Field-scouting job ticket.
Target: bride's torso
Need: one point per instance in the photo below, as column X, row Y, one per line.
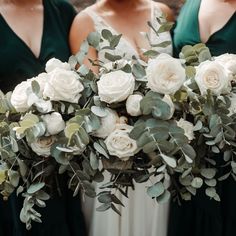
column 138, row 43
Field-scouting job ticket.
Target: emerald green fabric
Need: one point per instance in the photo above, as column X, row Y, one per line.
column 63, row 215
column 187, row 31
column 202, row 216
column 17, row 62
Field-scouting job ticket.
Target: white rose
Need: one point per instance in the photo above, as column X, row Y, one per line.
column 63, row 85
column 167, row 99
column 228, row 61
column 54, row 63
column 108, row 124
column 19, row 97
column 43, row 106
column 165, row 74
column 115, row 86
column 232, row 108
column 187, row 127
column 42, row 145
column 133, row 104
column 210, row 75
column 54, row 123
column 120, row 144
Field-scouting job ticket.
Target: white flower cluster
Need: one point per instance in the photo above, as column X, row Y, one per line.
column 58, row 84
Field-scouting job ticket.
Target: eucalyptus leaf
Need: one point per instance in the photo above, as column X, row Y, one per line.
column 164, row 198
column 197, row 182
column 208, row 173
column 156, row 190
column 93, row 161
column 211, row 192
column 35, row 187
column 211, row 182
column 100, row 149
column 35, row 87
column 99, row 111
column 170, row 161
column 106, row 34
column 94, row 39
column 104, row 207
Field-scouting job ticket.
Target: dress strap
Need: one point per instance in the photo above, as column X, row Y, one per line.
column 155, row 11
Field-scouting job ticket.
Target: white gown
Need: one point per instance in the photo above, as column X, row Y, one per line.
column 141, row 216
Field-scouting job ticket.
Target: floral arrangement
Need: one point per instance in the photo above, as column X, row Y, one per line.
column 166, row 119
column 169, row 120
column 43, row 133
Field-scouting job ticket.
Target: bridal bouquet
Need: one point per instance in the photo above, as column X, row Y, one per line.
column 161, row 120
column 169, row 120
column 44, row 127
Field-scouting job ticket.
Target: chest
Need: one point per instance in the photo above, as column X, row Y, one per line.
column 130, row 26
column 28, row 26
column 208, row 22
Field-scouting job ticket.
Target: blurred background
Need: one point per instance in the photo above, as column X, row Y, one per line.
column 174, row 4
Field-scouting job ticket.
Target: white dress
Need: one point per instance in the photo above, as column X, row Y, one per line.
column 141, row 216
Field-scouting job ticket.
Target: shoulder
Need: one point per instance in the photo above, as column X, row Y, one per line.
column 83, row 22
column 166, row 10
column 81, row 27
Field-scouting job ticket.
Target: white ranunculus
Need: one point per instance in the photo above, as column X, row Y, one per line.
column 63, row 85
column 133, row 104
column 211, row 75
column 232, row 108
column 165, row 74
column 167, row 99
column 19, row 97
column 119, row 143
column 108, row 123
column 54, row 63
column 187, row 127
column 228, row 61
column 115, row 86
column 42, row 145
column 54, row 123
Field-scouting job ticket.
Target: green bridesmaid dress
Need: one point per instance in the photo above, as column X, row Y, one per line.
column 63, row 215
column 202, row 216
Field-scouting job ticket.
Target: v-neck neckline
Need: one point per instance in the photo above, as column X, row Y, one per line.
column 22, row 41
column 214, row 33
column 127, row 41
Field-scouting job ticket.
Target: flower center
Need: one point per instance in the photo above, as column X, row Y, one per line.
column 212, row 80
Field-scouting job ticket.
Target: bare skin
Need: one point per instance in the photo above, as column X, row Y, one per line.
column 25, row 18
column 213, row 15
column 128, row 17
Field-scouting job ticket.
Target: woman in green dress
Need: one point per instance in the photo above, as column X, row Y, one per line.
column 212, row 22
column 32, row 32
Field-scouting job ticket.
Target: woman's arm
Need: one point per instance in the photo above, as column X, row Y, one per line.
column 80, row 29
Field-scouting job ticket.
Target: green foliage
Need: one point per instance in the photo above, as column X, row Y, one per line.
column 164, row 150
column 193, row 55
